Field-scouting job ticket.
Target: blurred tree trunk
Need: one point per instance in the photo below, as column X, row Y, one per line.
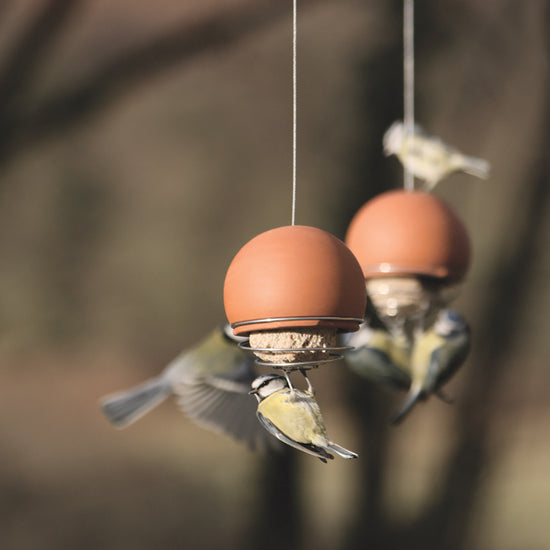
column 381, row 103
column 444, row 523
column 278, row 521
column 23, row 126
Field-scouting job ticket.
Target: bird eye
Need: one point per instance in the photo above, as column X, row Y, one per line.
column 265, row 383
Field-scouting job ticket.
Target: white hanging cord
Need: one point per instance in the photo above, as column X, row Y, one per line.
column 294, row 104
column 408, row 80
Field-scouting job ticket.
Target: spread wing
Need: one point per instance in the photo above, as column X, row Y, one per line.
column 371, row 357
column 211, row 382
column 375, row 365
column 222, row 403
column 451, row 357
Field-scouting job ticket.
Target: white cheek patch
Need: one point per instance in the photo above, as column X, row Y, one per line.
column 274, row 385
column 360, row 338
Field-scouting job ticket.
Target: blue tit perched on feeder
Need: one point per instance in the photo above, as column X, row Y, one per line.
column 435, row 357
column 429, row 158
column 379, row 356
column 294, row 417
column 211, row 382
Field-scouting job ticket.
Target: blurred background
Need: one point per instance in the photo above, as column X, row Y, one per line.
column 141, row 145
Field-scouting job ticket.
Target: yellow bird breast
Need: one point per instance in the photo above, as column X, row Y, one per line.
column 297, row 416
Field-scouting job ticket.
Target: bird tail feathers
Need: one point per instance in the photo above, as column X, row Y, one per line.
column 476, row 167
column 412, row 398
column 124, row 408
column 340, row 451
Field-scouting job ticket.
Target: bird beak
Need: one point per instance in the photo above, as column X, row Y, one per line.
column 252, row 392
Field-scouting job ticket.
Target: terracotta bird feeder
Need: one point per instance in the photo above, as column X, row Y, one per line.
column 290, row 290
column 413, row 249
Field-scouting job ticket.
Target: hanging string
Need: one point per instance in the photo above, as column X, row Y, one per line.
column 294, row 105
column 408, row 80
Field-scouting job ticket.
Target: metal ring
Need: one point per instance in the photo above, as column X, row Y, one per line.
column 278, row 319
column 302, row 364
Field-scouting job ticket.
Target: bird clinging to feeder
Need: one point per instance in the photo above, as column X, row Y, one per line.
column 379, row 356
column 437, row 354
column 291, row 290
column 414, row 252
column 294, row 417
column 210, row 380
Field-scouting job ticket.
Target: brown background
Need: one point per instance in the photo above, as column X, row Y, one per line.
column 141, row 144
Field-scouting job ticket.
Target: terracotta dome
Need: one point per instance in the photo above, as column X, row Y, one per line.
column 409, row 233
column 294, row 271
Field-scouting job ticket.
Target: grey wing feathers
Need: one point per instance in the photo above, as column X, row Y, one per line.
column 224, row 406
column 376, row 366
column 211, row 382
column 124, row 408
column 453, row 358
column 414, row 395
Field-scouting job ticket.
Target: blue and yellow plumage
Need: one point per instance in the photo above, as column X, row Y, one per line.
column 294, row 417
column 436, row 355
column 379, row 356
column 428, row 157
column 421, row 365
column 210, row 380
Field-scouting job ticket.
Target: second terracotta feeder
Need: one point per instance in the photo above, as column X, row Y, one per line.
column 290, row 290
column 413, row 250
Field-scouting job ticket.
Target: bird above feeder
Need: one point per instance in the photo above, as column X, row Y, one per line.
column 428, row 157
column 415, row 252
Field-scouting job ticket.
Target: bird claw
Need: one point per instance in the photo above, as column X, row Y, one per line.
column 444, row 397
column 310, row 387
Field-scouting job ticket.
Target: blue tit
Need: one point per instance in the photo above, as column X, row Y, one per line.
column 211, row 381
column 429, row 158
column 437, row 354
column 379, row 356
column 294, row 417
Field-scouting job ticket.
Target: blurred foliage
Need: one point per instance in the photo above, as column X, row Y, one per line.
column 140, row 147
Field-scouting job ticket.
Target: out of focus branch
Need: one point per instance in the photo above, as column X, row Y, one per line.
column 445, row 523
column 4, row 5
column 32, row 47
column 124, row 74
